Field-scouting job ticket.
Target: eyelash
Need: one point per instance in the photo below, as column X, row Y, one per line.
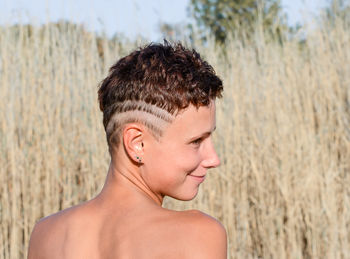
column 197, row 141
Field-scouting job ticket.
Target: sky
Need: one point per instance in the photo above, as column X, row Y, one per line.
column 129, row 17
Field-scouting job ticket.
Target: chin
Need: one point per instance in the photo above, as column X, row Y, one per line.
column 186, row 196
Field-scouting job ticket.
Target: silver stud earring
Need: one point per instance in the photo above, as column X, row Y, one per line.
column 138, row 158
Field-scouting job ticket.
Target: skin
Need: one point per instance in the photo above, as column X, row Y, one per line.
column 126, row 220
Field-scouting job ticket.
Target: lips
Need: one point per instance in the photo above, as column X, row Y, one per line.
column 199, row 178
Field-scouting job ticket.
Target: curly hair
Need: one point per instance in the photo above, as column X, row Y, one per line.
column 151, row 85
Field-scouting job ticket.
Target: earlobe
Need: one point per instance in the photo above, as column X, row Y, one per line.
column 138, row 158
column 133, row 135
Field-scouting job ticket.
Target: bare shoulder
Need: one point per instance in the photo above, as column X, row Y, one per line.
column 49, row 233
column 204, row 236
column 44, row 231
column 209, row 235
column 202, row 219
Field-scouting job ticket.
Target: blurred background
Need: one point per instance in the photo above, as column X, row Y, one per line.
column 283, row 187
column 136, row 18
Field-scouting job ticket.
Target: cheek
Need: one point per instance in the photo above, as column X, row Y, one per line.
column 188, row 160
column 173, row 160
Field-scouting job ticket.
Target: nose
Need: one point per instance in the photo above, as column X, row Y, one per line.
column 211, row 159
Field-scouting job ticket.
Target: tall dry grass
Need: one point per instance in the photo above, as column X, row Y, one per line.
column 283, row 189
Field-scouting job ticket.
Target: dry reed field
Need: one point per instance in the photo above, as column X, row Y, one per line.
column 283, row 187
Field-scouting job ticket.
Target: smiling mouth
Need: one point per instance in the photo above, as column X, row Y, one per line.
column 199, row 178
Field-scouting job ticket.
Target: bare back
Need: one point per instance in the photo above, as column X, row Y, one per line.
column 90, row 231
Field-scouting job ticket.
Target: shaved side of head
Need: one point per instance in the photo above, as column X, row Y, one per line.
column 154, row 118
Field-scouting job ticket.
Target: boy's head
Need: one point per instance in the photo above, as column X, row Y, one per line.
column 153, row 84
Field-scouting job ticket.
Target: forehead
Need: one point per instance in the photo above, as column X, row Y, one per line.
column 193, row 121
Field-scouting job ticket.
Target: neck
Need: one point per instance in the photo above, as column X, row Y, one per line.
column 128, row 180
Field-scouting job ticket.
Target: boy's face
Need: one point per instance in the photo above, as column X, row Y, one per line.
column 177, row 163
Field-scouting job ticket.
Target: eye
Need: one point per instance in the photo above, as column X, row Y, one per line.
column 197, row 142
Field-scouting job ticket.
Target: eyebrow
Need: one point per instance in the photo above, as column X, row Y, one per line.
column 204, row 134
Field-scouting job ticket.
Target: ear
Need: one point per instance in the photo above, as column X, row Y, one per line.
column 133, row 137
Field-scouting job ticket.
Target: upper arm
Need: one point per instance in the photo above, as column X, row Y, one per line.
column 208, row 238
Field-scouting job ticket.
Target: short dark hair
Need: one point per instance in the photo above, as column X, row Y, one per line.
column 170, row 77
